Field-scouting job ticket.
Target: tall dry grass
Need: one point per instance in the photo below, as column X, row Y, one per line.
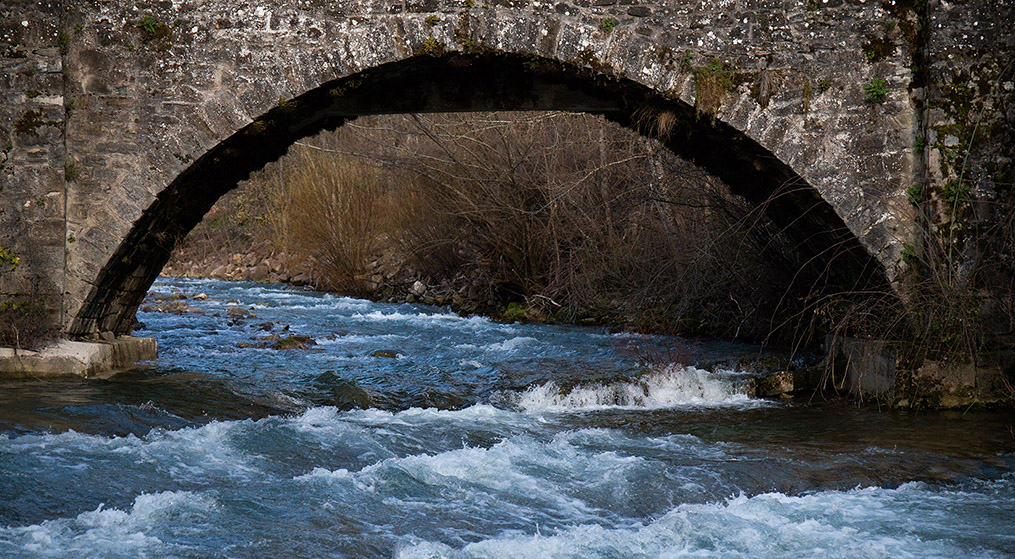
column 333, row 211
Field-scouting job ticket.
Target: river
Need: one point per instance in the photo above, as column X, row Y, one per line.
column 410, row 432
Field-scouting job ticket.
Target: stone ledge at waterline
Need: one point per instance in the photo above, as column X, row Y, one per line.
column 870, row 369
column 86, row 359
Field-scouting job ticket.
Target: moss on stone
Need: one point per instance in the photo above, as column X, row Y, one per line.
column 876, row 49
column 711, row 83
column 30, row 122
column 155, row 33
column 664, row 55
column 430, row 47
column 589, row 59
column 345, row 87
column 807, row 95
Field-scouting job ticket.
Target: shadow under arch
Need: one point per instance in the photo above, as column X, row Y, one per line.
column 455, row 82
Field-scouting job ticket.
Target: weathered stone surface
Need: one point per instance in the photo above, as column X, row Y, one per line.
column 775, row 384
column 862, row 367
column 82, row 359
column 130, row 119
column 869, row 369
column 32, row 155
column 937, row 384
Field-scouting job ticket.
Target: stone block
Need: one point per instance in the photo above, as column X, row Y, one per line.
column 99, row 359
column 868, row 365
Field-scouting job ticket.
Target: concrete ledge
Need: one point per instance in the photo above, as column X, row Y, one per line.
column 82, row 359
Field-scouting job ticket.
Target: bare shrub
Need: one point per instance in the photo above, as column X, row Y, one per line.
column 27, row 318
column 566, row 214
column 333, row 217
column 580, row 218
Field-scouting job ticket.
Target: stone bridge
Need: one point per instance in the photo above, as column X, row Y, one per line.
column 123, row 122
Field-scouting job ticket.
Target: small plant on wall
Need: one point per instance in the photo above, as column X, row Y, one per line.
column 711, row 83
column 156, row 33
column 8, row 261
column 16, row 320
column 876, row 90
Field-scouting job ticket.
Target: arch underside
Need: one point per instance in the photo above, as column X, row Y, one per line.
column 832, row 257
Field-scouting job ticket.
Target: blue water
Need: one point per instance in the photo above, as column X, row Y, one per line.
column 468, row 438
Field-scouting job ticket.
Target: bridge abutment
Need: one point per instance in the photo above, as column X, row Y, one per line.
column 33, row 165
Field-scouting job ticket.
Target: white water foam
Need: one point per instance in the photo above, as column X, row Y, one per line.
column 381, row 316
column 414, row 317
column 511, row 344
column 478, row 415
column 520, row 477
column 104, row 533
column 350, row 339
column 674, row 385
column 188, row 454
column 913, row 521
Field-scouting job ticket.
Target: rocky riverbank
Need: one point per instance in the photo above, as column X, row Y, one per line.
column 387, row 279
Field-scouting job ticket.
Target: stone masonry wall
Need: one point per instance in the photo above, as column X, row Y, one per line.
column 32, row 171
column 154, row 85
column 154, row 94
column 969, row 123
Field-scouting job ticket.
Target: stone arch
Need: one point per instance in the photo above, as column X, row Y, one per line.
column 434, row 81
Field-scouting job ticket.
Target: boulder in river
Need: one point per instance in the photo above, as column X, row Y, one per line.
column 775, row 384
column 173, row 307
column 294, row 342
column 239, row 313
column 259, row 273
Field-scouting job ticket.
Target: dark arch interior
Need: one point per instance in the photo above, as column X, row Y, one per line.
column 832, row 257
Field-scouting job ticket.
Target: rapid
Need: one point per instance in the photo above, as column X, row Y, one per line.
column 408, row 431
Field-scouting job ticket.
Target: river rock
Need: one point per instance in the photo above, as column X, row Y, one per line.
column 177, row 307
column 240, row 313
column 294, row 342
column 345, row 394
column 775, row 384
column 418, row 288
column 259, row 273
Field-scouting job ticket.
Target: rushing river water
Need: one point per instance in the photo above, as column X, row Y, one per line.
column 478, row 439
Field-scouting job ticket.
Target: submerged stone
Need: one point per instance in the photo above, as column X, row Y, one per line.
column 294, row 342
